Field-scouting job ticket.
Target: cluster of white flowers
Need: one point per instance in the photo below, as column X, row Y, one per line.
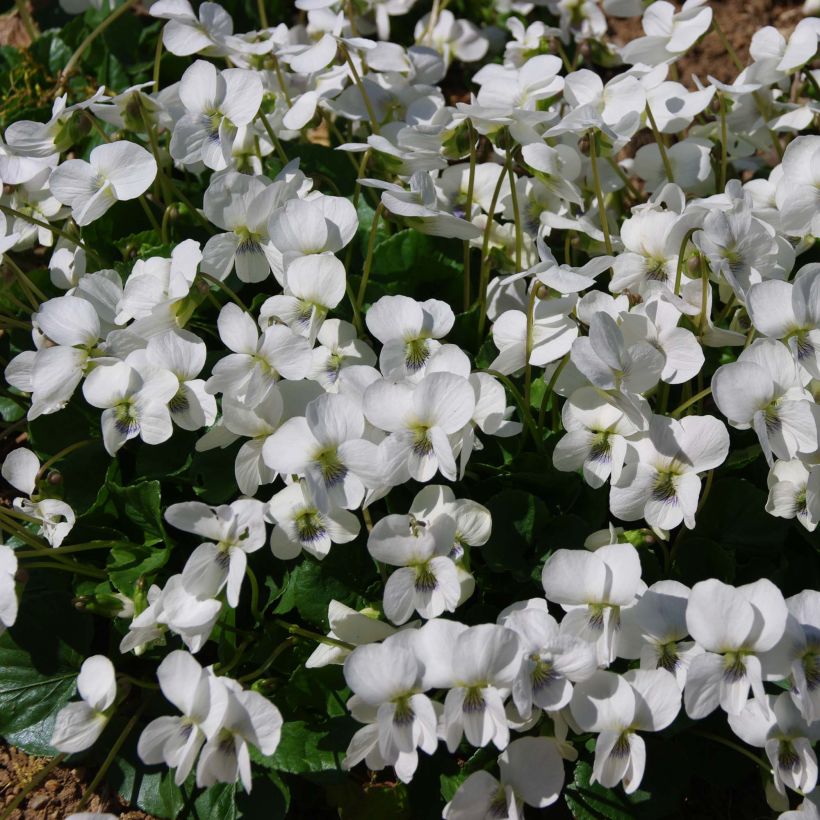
column 664, row 258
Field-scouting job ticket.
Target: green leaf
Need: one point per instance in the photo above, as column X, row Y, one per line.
column 40, row 657
column 593, row 802
column 140, row 504
column 302, row 749
column 153, row 789
column 127, row 562
column 218, row 801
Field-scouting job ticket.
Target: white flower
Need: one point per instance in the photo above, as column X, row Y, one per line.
column 777, row 726
column 133, row 405
column 387, row 695
column 733, row 625
column 763, row 389
column 232, row 531
column 217, row 103
column 531, row 772
column 79, row 724
column 428, row 579
column 798, row 195
column 201, row 698
column 115, row 171
column 592, row 588
column 21, row 468
column 301, row 524
column 484, row 663
column 618, row 707
column 669, row 32
column 185, row 33
column 552, row 660
column 794, row 492
column 249, row 718
column 420, row 420
column 8, row 592
column 660, row 481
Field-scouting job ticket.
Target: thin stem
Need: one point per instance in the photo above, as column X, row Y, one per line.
column 77, row 55
column 704, row 296
column 548, row 392
column 729, row 744
column 519, row 234
column 484, row 274
column 191, row 207
column 468, row 207
column 679, row 272
column 76, row 569
column 293, row 629
column 40, row 224
column 374, row 123
column 624, row 178
column 115, row 748
column 281, row 79
column 231, row 294
column 62, row 454
column 667, row 165
column 689, row 402
column 260, row 670
column 526, row 415
column 31, row 291
column 157, row 62
column 724, row 140
column 254, row 594
column 142, row 684
column 710, row 477
column 154, row 143
column 27, row 20
column 368, row 262
column 263, row 15
column 280, row 151
column 31, row 785
column 69, row 549
column 596, row 178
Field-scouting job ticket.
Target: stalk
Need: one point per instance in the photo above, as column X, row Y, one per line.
column 596, row 178
column 667, row 165
column 469, row 211
column 484, row 274
column 368, row 262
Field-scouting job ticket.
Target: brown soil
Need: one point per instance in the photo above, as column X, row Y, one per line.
column 58, row 795
column 739, row 19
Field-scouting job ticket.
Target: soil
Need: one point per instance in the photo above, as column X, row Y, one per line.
column 60, row 792
column 58, row 795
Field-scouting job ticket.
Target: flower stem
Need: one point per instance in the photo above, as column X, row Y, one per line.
column 32, row 292
column 75, row 58
column 542, row 410
column 679, row 272
column 260, row 670
column 519, row 235
column 74, row 568
column 724, row 140
column 280, row 151
column 528, row 342
column 313, row 636
column 220, row 284
column 596, row 178
column 484, row 274
column 526, row 415
column 667, row 165
column 263, row 15
column 368, row 262
column 468, row 207
column 689, row 402
column 729, row 744
column 371, row 114
column 115, row 748
column 254, row 594
column 26, row 19
column 62, row 454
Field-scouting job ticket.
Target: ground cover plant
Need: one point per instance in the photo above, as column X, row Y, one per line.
column 410, row 409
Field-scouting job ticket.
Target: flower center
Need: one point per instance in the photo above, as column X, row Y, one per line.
column 425, row 578
column 126, row 418
column 474, row 700
column 416, row 353
column 422, row 446
column 332, row 470
column 309, row 526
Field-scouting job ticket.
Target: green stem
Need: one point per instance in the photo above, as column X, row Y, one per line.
column 519, row 233
column 254, row 594
column 729, row 744
column 368, row 262
column 596, row 178
column 293, row 629
column 468, row 213
column 77, row 55
column 231, row 294
column 69, row 549
column 542, row 410
column 142, row 684
column 484, row 273
column 28, row 286
column 280, row 151
column 526, row 415
column 27, row 20
column 281, row 79
column 263, row 15
column 667, row 165
column 40, row 224
column 74, row 568
column 689, row 402
column 374, row 123
column 31, row 785
column 157, row 63
column 634, row 192
column 62, row 454
column 260, row 670
column 112, row 754
column 724, row 142
column 679, row 271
